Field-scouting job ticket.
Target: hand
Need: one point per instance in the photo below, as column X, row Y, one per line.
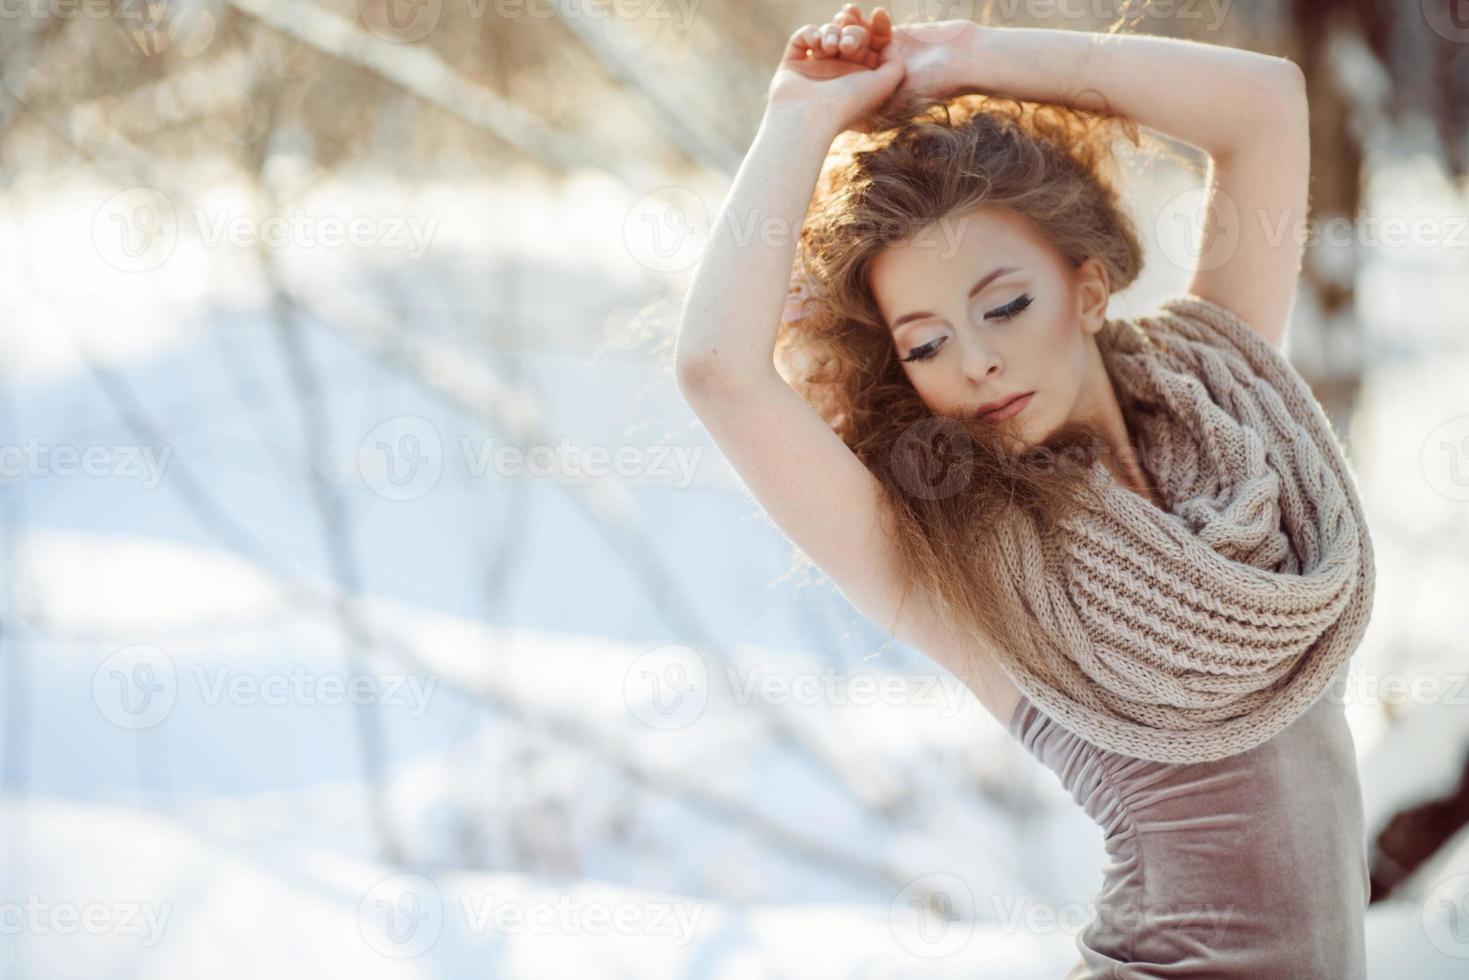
column 934, row 53
column 834, row 70
column 850, row 37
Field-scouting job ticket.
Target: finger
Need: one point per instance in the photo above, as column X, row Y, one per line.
column 830, row 37
column 848, row 15
column 853, row 43
column 881, row 29
column 817, row 43
column 800, row 42
column 813, row 42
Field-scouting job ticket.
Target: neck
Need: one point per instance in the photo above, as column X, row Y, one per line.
column 1098, row 405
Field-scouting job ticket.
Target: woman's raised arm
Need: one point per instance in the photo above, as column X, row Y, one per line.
column 733, row 308
column 1247, row 110
column 1213, row 96
column 813, row 487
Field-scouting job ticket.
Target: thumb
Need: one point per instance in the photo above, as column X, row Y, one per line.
column 890, row 61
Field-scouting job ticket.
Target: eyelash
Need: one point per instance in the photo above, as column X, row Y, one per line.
column 1007, row 312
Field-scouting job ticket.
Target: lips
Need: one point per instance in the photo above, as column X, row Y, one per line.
column 1004, row 403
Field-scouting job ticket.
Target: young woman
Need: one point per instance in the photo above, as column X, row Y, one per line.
column 1137, row 541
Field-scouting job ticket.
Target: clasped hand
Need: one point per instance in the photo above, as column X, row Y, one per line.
column 850, row 65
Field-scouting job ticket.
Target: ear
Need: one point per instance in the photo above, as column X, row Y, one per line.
column 1092, row 291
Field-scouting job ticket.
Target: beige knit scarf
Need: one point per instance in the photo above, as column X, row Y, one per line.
column 1199, row 633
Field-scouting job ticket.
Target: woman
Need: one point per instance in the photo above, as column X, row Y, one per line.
column 1138, row 542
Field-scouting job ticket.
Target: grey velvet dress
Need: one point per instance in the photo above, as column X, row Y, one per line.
column 1250, row 866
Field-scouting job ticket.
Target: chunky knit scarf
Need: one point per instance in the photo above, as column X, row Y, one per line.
column 1198, row 633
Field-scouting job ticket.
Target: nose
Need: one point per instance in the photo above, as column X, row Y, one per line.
column 980, row 362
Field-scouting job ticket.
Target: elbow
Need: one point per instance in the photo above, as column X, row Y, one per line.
column 697, row 375
column 1273, row 97
column 707, row 377
column 691, row 373
column 1290, row 89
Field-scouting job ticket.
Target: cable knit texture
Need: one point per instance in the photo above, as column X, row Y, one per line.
column 1197, row 633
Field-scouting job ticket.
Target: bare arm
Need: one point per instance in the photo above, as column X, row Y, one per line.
column 1247, row 110
column 1210, row 95
column 732, row 311
column 813, row 487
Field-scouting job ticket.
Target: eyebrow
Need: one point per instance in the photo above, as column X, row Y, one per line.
column 984, row 281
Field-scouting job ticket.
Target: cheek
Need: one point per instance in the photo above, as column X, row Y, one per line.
column 1056, row 362
column 1051, row 351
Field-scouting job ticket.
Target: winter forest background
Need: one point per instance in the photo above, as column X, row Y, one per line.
column 372, row 605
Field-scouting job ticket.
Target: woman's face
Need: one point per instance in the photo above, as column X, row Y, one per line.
column 982, row 308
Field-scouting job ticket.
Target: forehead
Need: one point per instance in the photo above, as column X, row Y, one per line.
column 955, row 244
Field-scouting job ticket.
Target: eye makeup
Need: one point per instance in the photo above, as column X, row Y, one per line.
column 1009, row 311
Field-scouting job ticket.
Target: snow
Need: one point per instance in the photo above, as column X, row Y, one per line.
column 518, row 639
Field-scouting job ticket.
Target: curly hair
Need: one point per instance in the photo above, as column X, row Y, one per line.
column 949, row 481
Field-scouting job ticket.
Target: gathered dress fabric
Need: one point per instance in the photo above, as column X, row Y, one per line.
column 1254, row 865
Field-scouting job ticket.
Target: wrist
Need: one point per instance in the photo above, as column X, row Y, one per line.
column 975, row 57
column 798, row 116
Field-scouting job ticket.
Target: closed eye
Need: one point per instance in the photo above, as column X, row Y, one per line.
column 1011, row 309
column 925, row 351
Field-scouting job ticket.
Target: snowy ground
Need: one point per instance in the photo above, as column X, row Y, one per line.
column 191, row 790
